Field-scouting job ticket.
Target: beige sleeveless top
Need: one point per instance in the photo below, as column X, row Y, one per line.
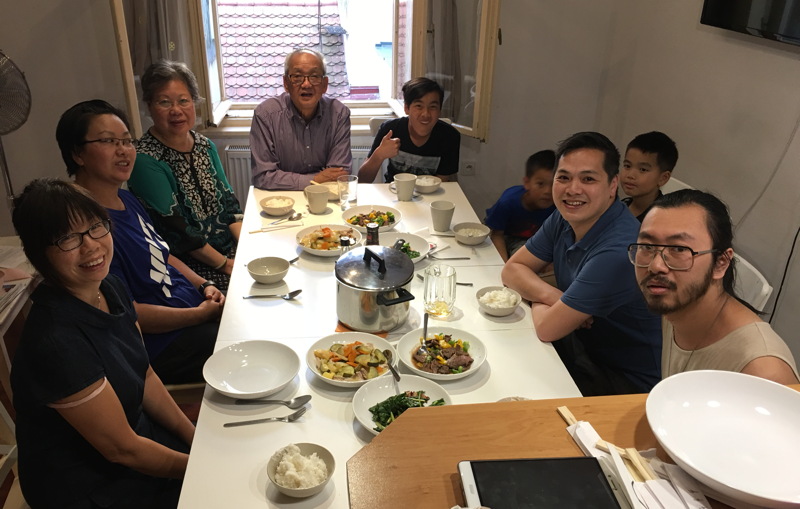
column 731, row 353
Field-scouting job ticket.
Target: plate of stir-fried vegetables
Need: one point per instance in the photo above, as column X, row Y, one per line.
column 349, row 359
column 358, row 217
column 446, row 354
column 323, row 240
column 415, row 247
column 379, row 402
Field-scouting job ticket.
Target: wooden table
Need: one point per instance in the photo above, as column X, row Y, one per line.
column 413, row 462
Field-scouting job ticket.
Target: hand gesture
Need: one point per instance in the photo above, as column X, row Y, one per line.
column 389, row 146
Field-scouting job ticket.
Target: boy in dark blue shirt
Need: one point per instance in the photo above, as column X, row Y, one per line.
column 521, row 210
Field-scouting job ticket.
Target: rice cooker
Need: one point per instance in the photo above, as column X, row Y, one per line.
column 372, row 288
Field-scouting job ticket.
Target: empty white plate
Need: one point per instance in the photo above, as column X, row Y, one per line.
column 251, row 369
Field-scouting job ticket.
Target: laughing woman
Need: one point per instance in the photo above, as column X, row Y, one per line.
column 81, row 357
column 179, row 177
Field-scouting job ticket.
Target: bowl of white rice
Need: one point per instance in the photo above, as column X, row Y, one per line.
column 471, row 234
column 301, row 470
column 498, row 300
column 276, row 205
column 427, row 184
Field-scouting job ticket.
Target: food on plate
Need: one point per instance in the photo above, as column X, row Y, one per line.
column 497, row 299
column 352, row 362
column 471, row 232
column 375, row 216
column 297, row 471
column 278, row 203
column 325, row 239
column 389, row 409
column 406, row 248
column 442, row 354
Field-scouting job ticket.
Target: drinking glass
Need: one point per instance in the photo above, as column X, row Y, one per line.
column 440, row 290
column 348, row 190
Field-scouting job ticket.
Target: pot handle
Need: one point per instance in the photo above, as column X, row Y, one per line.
column 403, row 295
column 368, row 254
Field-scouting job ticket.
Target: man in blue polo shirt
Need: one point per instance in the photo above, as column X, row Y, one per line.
column 602, row 329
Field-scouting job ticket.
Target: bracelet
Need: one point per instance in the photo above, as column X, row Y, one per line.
column 224, row 261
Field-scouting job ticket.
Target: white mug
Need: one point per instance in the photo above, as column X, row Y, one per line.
column 405, row 183
column 317, row 197
column 442, row 214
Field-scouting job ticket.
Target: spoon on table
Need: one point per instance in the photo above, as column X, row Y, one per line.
column 293, row 403
column 294, row 217
column 388, row 354
column 288, row 296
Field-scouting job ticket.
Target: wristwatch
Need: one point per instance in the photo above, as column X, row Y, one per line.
column 202, row 288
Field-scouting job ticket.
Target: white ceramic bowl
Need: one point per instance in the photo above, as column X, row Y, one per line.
column 737, row 434
column 344, row 338
column 333, row 190
column 366, row 209
column 429, row 187
column 472, row 240
column 268, row 270
column 372, row 393
column 410, row 341
column 497, row 311
column 356, row 236
column 276, row 211
column 416, row 242
column 306, row 449
column 251, row 369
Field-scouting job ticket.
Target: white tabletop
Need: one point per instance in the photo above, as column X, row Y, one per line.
column 227, row 466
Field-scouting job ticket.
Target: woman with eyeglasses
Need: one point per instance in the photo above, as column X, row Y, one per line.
column 177, row 309
column 95, row 426
column 179, row 177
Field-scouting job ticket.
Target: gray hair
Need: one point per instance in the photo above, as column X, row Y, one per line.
column 158, row 74
column 303, row 50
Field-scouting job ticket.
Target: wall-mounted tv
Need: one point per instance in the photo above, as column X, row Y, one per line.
column 772, row 19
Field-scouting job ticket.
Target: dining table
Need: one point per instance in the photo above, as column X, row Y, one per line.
column 227, row 466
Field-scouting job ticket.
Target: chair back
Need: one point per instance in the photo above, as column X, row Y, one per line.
column 750, row 284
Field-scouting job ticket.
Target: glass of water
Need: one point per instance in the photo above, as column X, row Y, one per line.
column 440, row 290
column 348, row 190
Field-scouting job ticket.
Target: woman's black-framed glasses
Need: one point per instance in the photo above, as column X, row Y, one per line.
column 675, row 257
column 72, row 241
column 107, row 142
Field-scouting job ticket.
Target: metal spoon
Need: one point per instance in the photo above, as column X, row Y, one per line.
column 388, row 354
column 294, row 259
column 293, row 403
column 293, row 217
column 287, row 418
column 289, row 296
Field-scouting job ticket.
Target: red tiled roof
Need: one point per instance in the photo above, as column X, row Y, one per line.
column 255, row 37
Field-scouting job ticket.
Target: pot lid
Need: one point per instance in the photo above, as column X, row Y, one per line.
column 378, row 268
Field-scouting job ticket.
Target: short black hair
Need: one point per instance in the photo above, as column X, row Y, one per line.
column 74, row 124
column 417, row 88
column 46, row 210
column 661, row 145
column 596, row 141
column 542, row 160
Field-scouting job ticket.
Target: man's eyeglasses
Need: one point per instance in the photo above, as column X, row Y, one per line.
column 72, row 241
column 675, row 257
column 299, row 79
column 166, row 104
column 107, row 142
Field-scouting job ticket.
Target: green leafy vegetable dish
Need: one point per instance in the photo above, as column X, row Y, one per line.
column 389, row 409
column 406, row 248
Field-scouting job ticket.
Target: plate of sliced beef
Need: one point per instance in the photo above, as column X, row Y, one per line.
column 446, row 354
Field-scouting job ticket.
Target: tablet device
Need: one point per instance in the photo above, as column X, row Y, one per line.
column 540, row 483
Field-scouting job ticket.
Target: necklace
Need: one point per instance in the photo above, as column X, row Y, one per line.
column 97, row 304
column 697, row 347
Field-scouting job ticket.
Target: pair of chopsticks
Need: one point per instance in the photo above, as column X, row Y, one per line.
column 277, row 227
column 638, row 467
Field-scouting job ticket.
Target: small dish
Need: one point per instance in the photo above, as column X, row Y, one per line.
column 306, row 449
column 344, row 338
column 268, row 270
column 416, row 243
column 372, row 393
column 498, row 310
column 355, row 236
column 276, row 205
column 366, row 209
column 251, row 369
column 427, row 184
column 471, row 234
column 410, row 342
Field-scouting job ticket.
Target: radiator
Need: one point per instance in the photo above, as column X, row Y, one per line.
column 237, row 167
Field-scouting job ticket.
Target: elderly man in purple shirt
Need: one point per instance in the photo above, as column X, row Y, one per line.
column 300, row 136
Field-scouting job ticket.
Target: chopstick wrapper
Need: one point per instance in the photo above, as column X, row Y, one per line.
column 684, row 484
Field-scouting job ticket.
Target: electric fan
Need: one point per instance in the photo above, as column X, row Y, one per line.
column 15, row 104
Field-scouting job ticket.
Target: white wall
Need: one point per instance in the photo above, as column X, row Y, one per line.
column 67, row 51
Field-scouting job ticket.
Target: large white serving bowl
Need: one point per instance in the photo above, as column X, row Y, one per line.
column 251, row 369
column 382, row 388
column 344, row 338
column 737, row 434
column 356, row 237
column 416, row 242
column 410, row 341
column 366, row 209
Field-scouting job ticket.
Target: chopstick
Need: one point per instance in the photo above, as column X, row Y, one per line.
column 267, row 229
